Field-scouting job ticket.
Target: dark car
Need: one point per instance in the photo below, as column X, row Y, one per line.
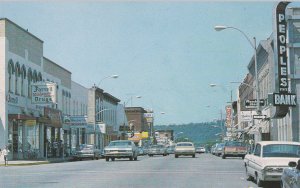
column 157, row 150
column 290, row 177
column 86, row 151
column 234, row 149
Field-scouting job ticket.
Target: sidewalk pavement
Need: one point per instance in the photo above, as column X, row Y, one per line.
column 35, row 162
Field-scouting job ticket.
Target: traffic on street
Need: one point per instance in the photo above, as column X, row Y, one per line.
column 205, row 170
column 155, row 94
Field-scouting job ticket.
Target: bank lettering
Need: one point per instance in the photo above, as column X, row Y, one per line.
column 284, row 99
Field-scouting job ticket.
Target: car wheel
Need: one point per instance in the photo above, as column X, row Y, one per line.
column 248, row 176
column 223, row 156
column 176, row 156
column 193, row 156
column 131, row 158
column 259, row 182
column 107, row 158
column 135, row 158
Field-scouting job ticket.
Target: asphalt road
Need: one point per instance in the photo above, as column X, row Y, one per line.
column 205, row 171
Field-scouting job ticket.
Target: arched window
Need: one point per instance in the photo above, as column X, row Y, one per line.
column 34, row 76
column 29, row 79
column 39, row 77
column 17, row 76
column 23, row 76
column 11, row 70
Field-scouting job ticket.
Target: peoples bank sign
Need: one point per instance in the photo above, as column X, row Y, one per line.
column 282, row 98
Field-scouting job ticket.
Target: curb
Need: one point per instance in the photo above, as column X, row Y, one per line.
column 26, row 164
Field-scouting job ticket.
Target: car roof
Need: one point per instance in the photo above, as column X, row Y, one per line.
column 263, row 143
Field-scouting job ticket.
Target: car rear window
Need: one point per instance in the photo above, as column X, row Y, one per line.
column 236, row 144
column 120, row 144
column 184, row 144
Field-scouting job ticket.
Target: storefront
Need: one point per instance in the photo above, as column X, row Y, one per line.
column 24, row 137
column 75, row 132
column 53, row 134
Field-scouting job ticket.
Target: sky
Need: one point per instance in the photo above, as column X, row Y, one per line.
column 167, row 52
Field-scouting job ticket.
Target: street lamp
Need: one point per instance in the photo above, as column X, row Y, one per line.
column 253, row 45
column 114, row 76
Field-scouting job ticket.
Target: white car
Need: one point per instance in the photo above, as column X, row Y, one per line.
column 185, row 148
column 268, row 160
column 121, row 149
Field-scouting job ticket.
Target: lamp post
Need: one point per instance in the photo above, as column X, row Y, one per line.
column 111, row 76
column 253, row 45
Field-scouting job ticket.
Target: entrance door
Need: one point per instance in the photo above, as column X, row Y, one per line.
column 17, row 137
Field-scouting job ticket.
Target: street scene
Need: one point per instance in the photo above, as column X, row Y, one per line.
column 158, row 171
column 150, row 94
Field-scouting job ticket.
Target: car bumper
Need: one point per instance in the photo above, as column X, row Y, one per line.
column 118, row 155
column 184, row 153
column 83, row 155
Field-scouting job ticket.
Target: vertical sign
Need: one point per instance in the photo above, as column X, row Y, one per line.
column 228, row 116
column 282, row 99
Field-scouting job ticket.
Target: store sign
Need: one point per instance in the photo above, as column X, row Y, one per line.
column 252, row 103
column 148, row 115
column 228, row 116
column 30, row 122
column 75, row 121
column 145, row 135
column 282, row 98
column 54, row 116
column 43, row 93
column 246, row 116
column 136, row 138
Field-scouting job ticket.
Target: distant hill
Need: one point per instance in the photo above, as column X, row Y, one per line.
column 199, row 133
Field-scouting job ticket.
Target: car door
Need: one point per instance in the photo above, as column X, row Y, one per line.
column 254, row 160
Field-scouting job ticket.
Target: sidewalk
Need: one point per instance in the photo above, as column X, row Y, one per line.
column 36, row 162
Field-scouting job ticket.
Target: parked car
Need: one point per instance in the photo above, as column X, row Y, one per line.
column 185, row 148
column 157, row 150
column 200, row 150
column 269, row 159
column 170, row 149
column 213, row 149
column 234, row 149
column 219, row 149
column 121, row 149
column 86, row 151
column 290, row 177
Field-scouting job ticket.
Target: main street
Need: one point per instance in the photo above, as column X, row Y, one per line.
column 205, row 171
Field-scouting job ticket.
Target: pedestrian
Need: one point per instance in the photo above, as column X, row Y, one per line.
column 5, row 152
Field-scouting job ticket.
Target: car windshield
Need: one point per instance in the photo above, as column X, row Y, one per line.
column 84, row 146
column 120, row 144
column 281, row 150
